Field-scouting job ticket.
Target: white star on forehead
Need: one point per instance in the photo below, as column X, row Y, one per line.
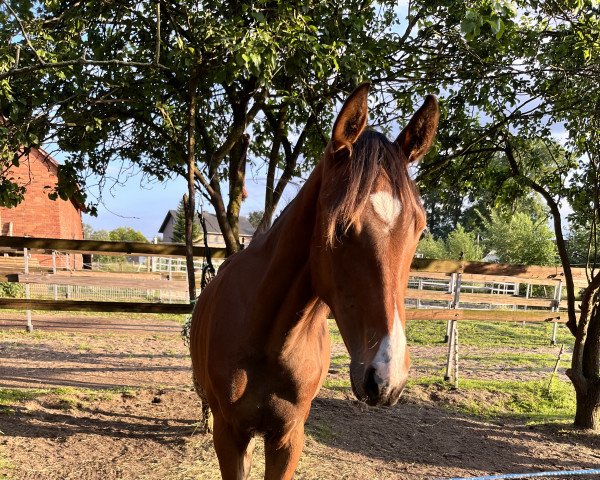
column 386, row 206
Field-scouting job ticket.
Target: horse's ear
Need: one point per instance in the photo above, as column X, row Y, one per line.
column 352, row 119
column 417, row 137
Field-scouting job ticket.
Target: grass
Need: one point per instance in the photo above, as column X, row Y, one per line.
column 487, row 334
column 68, row 337
column 62, row 397
column 133, row 316
column 481, row 334
column 338, row 384
column 521, row 360
column 9, row 396
column 334, row 333
column 321, row 432
column 5, row 467
column 531, row 401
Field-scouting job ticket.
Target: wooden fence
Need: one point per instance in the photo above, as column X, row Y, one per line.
column 439, row 288
column 17, row 266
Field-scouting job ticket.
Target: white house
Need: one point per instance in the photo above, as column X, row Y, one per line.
column 215, row 237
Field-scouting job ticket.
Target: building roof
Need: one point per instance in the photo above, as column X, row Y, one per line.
column 49, row 159
column 212, row 224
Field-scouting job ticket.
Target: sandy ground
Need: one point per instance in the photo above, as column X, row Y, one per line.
column 138, row 420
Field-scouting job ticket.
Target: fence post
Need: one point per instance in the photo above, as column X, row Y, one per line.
column 452, row 361
column 69, row 289
column 27, row 289
column 450, row 290
column 54, row 272
column 556, row 308
column 170, row 275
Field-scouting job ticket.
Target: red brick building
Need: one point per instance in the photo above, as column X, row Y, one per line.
column 37, row 215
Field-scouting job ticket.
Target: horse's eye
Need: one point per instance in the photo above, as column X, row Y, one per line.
column 342, row 231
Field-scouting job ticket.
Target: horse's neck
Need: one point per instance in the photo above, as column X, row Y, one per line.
column 285, row 296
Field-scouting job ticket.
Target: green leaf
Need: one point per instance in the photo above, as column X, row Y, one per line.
column 258, row 16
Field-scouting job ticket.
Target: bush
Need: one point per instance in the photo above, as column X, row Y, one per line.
column 431, row 247
column 11, row 290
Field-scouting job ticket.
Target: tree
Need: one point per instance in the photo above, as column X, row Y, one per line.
column 518, row 240
column 173, row 88
column 516, row 71
column 462, row 245
column 582, row 247
column 179, row 226
column 255, row 218
column 87, row 231
column 126, row 234
column 459, row 245
column 431, row 247
column 103, row 235
column 120, row 234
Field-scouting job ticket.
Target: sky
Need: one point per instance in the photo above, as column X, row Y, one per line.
column 143, row 204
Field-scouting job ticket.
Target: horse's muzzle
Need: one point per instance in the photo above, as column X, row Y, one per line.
column 375, row 390
column 379, row 391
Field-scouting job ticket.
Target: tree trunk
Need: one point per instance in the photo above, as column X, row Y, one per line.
column 237, row 176
column 587, row 414
column 232, row 243
column 189, row 202
column 585, row 363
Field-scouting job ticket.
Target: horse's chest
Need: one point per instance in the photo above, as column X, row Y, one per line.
column 272, row 395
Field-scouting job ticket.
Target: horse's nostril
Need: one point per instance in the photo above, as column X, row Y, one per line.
column 371, row 386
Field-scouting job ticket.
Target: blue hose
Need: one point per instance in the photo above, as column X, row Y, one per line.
column 559, row 473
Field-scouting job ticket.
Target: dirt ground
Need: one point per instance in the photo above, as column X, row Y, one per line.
column 131, row 414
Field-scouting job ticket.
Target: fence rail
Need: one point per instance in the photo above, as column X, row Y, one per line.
column 486, row 291
column 97, row 246
column 92, row 306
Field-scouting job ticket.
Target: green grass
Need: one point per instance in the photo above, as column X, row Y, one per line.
column 5, row 467
column 321, row 432
column 65, row 397
column 482, row 334
column 133, row 316
column 487, row 334
column 526, row 361
column 334, row 332
column 69, row 337
column 532, row 401
column 339, row 384
column 340, row 360
column 9, row 396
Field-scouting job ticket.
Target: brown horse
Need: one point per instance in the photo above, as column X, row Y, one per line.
column 259, row 339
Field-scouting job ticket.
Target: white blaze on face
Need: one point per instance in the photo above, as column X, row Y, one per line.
column 390, row 356
column 386, row 206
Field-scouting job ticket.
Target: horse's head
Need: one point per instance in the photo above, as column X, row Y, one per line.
column 369, row 222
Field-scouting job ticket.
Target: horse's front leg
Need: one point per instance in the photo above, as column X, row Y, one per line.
column 234, row 449
column 283, row 452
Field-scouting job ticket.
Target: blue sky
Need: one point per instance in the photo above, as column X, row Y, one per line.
column 143, row 204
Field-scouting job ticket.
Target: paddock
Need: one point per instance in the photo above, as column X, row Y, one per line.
column 97, row 395
column 112, row 398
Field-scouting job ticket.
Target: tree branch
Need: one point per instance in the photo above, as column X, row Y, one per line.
column 25, row 35
column 560, row 241
column 17, row 72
